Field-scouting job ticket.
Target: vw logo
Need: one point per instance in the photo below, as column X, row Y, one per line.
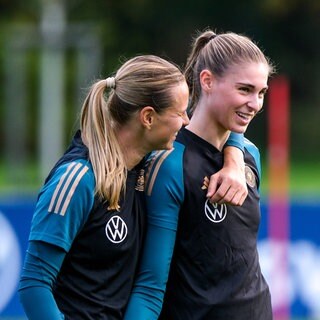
column 116, row 229
column 215, row 212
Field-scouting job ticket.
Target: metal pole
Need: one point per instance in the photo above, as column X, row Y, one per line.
column 51, row 131
column 15, row 109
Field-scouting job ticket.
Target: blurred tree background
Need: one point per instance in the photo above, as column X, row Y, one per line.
column 287, row 30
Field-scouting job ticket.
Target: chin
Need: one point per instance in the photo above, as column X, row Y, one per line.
column 163, row 146
column 239, row 129
column 169, row 146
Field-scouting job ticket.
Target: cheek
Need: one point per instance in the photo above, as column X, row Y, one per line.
column 228, row 101
column 238, row 99
column 261, row 104
column 167, row 130
column 174, row 124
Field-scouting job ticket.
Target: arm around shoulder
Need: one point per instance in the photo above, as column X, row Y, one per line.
column 229, row 185
column 164, row 198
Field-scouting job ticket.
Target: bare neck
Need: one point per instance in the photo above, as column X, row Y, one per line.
column 208, row 129
column 132, row 147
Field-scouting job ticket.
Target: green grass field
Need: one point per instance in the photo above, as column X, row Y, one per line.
column 304, row 179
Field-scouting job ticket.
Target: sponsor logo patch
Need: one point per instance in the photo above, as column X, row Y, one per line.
column 116, row 229
column 215, row 212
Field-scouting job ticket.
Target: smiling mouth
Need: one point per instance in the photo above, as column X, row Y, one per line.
column 244, row 116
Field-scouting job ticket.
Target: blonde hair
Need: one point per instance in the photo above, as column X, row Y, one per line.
column 217, row 53
column 145, row 80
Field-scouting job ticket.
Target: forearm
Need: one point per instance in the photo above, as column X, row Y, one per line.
column 38, row 304
column 148, row 293
column 233, row 157
column 229, row 184
column 41, row 266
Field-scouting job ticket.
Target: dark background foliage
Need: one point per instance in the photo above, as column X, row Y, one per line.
column 287, row 30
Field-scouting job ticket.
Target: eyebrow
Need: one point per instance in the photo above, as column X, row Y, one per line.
column 250, row 85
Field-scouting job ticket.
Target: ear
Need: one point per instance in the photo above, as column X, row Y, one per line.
column 206, row 80
column 147, row 116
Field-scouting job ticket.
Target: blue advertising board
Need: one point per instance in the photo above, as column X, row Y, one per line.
column 303, row 273
column 15, row 219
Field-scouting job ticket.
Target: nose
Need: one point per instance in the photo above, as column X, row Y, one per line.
column 185, row 120
column 255, row 103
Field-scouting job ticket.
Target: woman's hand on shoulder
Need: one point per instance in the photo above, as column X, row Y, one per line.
column 229, row 184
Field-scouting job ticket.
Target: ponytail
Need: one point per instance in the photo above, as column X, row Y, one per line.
column 98, row 134
column 193, row 66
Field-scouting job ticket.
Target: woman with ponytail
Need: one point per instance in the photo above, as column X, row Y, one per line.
column 200, row 260
column 89, row 222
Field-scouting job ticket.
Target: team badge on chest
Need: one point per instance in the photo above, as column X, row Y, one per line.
column 250, row 177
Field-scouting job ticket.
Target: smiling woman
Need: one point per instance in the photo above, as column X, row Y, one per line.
column 203, row 255
column 89, row 220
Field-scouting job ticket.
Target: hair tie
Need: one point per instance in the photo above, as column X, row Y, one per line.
column 212, row 37
column 111, row 82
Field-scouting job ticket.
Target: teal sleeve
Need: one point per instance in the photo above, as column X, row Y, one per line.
column 64, row 204
column 235, row 140
column 41, row 266
column 254, row 151
column 147, row 296
column 38, row 304
column 164, row 196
